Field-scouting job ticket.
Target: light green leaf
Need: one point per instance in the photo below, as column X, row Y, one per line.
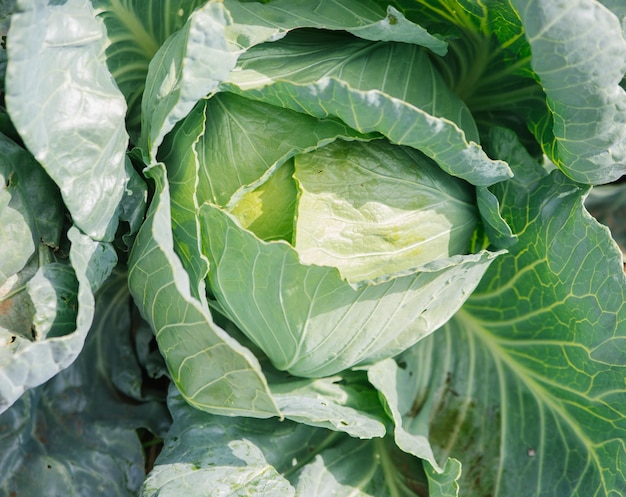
column 395, row 71
column 254, row 23
column 374, row 209
column 525, row 385
column 189, row 65
column 74, row 123
column 234, row 153
column 75, row 435
column 391, row 88
column 310, row 321
column 579, row 53
column 197, row 58
column 216, row 455
column 345, row 403
column 213, row 371
column 335, row 403
column 268, row 210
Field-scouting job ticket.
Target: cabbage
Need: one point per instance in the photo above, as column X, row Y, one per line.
column 296, row 247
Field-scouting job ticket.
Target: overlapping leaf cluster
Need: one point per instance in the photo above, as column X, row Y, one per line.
column 232, row 198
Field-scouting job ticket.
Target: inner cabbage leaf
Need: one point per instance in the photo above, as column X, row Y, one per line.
column 269, row 209
column 373, row 209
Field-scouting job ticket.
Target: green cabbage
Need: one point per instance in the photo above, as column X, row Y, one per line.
column 366, row 265
column 328, row 248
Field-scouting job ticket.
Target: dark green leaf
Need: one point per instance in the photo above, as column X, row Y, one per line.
column 75, row 435
column 135, row 31
column 525, row 386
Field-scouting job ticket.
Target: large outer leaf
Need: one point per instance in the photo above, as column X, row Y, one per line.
column 197, row 58
column 66, row 107
column 525, row 386
column 391, row 88
column 397, row 70
column 579, row 53
column 27, row 364
column 214, row 455
column 254, row 23
column 215, row 373
column 45, row 305
column 309, row 320
column 75, row 435
column 187, row 67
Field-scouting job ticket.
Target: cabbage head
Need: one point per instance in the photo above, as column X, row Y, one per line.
column 328, row 211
